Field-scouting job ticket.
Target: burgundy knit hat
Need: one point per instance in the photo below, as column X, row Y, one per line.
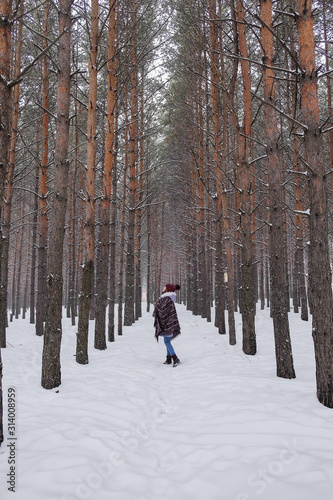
column 171, row 288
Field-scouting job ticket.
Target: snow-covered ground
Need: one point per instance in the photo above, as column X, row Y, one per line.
column 221, row 426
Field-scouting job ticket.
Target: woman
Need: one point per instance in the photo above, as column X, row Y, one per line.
column 166, row 321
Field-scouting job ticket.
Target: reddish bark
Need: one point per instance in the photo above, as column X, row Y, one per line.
column 320, row 282
column 9, row 187
column 51, row 367
column 103, row 271
column 283, row 352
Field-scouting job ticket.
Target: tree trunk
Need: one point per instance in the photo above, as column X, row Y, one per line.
column 112, row 298
column 299, row 207
column 320, row 282
column 88, row 268
column 283, row 351
column 7, row 200
column 19, row 268
column 329, row 87
column 27, row 271
column 103, row 272
column 122, row 255
column 113, row 71
column 229, row 282
column 123, row 218
column 103, row 262
column 148, row 245
column 51, row 368
column 244, row 182
column 72, row 244
column 129, row 317
column 138, row 287
column 34, row 244
column 219, row 284
column 42, row 247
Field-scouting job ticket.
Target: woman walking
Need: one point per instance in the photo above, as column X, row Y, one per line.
column 166, row 321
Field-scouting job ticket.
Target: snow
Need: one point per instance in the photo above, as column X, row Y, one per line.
column 220, row 426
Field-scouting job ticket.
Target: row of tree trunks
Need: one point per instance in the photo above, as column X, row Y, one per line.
column 214, row 113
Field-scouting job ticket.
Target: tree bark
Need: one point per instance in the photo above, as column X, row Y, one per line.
column 113, row 71
column 129, row 317
column 138, row 212
column 43, row 190
column 283, row 351
column 18, row 290
column 88, row 268
column 320, row 280
column 229, row 282
column 34, row 242
column 216, row 105
column 122, row 252
column 8, row 197
column 329, row 87
column 300, row 284
column 245, row 205
column 103, row 272
column 51, row 367
column 5, row 96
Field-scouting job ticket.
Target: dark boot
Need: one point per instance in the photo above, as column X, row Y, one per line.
column 168, row 360
column 176, row 361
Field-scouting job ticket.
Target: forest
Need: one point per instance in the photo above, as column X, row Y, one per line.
column 183, row 141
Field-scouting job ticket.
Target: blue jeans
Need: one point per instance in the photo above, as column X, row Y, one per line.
column 169, row 348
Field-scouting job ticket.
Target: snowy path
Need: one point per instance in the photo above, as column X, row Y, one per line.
column 221, row 426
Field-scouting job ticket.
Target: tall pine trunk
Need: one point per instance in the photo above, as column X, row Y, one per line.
column 34, row 241
column 320, row 280
column 283, row 351
column 103, row 263
column 43, row 193
column 5, row 95
column 51, row 367
column 129, row 317
column 122, row 251
column 113, row 72
column 88, row 268
column 216, row 106
column 229, row 282
column 7, row 199
column 138, row 212
column 299, row 208
column 245, row 205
